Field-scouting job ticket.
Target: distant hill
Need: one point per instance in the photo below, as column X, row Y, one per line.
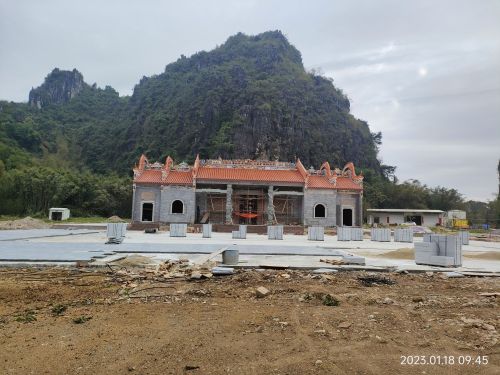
column 73, row 144
column 249, row 98
column 59, row 88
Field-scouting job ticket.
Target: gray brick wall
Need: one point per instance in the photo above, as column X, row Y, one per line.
column 325, row 197
column 183, row 193
column 146, row 194
column 353, row 201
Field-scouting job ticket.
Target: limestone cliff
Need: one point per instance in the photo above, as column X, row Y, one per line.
column 59, row 87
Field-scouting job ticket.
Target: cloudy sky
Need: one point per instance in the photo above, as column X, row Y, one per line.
column 425, row 73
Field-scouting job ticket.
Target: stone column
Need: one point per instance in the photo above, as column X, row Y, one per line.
column 229, row 204
column 270, row 205
column 359, row 218
column 133, row 204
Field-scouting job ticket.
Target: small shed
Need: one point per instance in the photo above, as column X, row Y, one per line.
column 58, row 214
column 400, row 216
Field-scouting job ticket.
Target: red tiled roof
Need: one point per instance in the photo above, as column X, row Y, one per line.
column 257, row 174
column 347, row 183
column 243, row 174
column 319, row 182
column 149, row 177
column 179, row 178
column 173, row 178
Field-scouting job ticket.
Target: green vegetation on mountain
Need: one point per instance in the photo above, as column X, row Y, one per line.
column 248, row 98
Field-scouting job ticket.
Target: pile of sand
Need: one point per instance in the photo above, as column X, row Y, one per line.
column 134, row 261
column 403, row 253
column 115, row 219
column 486, row 255
column 26, row 223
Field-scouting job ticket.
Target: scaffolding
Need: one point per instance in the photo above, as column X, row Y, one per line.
column 249, row 206
column 216, row 209
column 287, row 209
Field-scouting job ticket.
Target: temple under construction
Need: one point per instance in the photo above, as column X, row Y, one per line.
column 250, row 192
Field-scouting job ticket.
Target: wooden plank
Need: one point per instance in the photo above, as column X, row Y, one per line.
column 205, row 218
column 212, row 255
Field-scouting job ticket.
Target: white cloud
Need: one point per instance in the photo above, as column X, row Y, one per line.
column 424, row 73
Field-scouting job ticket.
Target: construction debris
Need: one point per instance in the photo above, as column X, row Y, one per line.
column 221, row 271
column 261, row 292
column 345, row 259
column 324, row 270
column 453, row 274
column 133, row 261
column 336, row 262
column 344, row 325
column 493, row 294
column 169, row 269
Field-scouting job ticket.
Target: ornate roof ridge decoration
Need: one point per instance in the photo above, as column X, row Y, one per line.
column 196, row 166
column 246, row 163
column 323, row 178
column 303, row 171
column 141, row 166
column 350, row 172
column 166, row 168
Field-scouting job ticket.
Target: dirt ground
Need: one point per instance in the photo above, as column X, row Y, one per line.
column 24, row 223
column 56, row 321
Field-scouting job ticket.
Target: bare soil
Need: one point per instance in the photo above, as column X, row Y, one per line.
column 487, row 255
column 403, row 253
column 60, row 321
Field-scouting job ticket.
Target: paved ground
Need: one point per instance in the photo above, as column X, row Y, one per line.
column 71, row 245
column 20, row 234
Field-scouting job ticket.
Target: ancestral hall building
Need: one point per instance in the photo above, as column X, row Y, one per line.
column 250, row 192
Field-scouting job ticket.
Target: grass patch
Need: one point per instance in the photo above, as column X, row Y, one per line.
column 9, row 218
column 329, row 300
column 26, row 317
column 82, row 319
column 480, row 231
column 84, row 220
column 58, row 310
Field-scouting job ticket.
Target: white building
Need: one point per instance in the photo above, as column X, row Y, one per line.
column 58, row 214
column 397, row 216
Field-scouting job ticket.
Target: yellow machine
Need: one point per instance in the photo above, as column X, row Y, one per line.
column 460, row 223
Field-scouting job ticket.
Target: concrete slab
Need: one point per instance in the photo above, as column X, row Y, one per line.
column 376, row 254
column 24, row 234
column 16, row 251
